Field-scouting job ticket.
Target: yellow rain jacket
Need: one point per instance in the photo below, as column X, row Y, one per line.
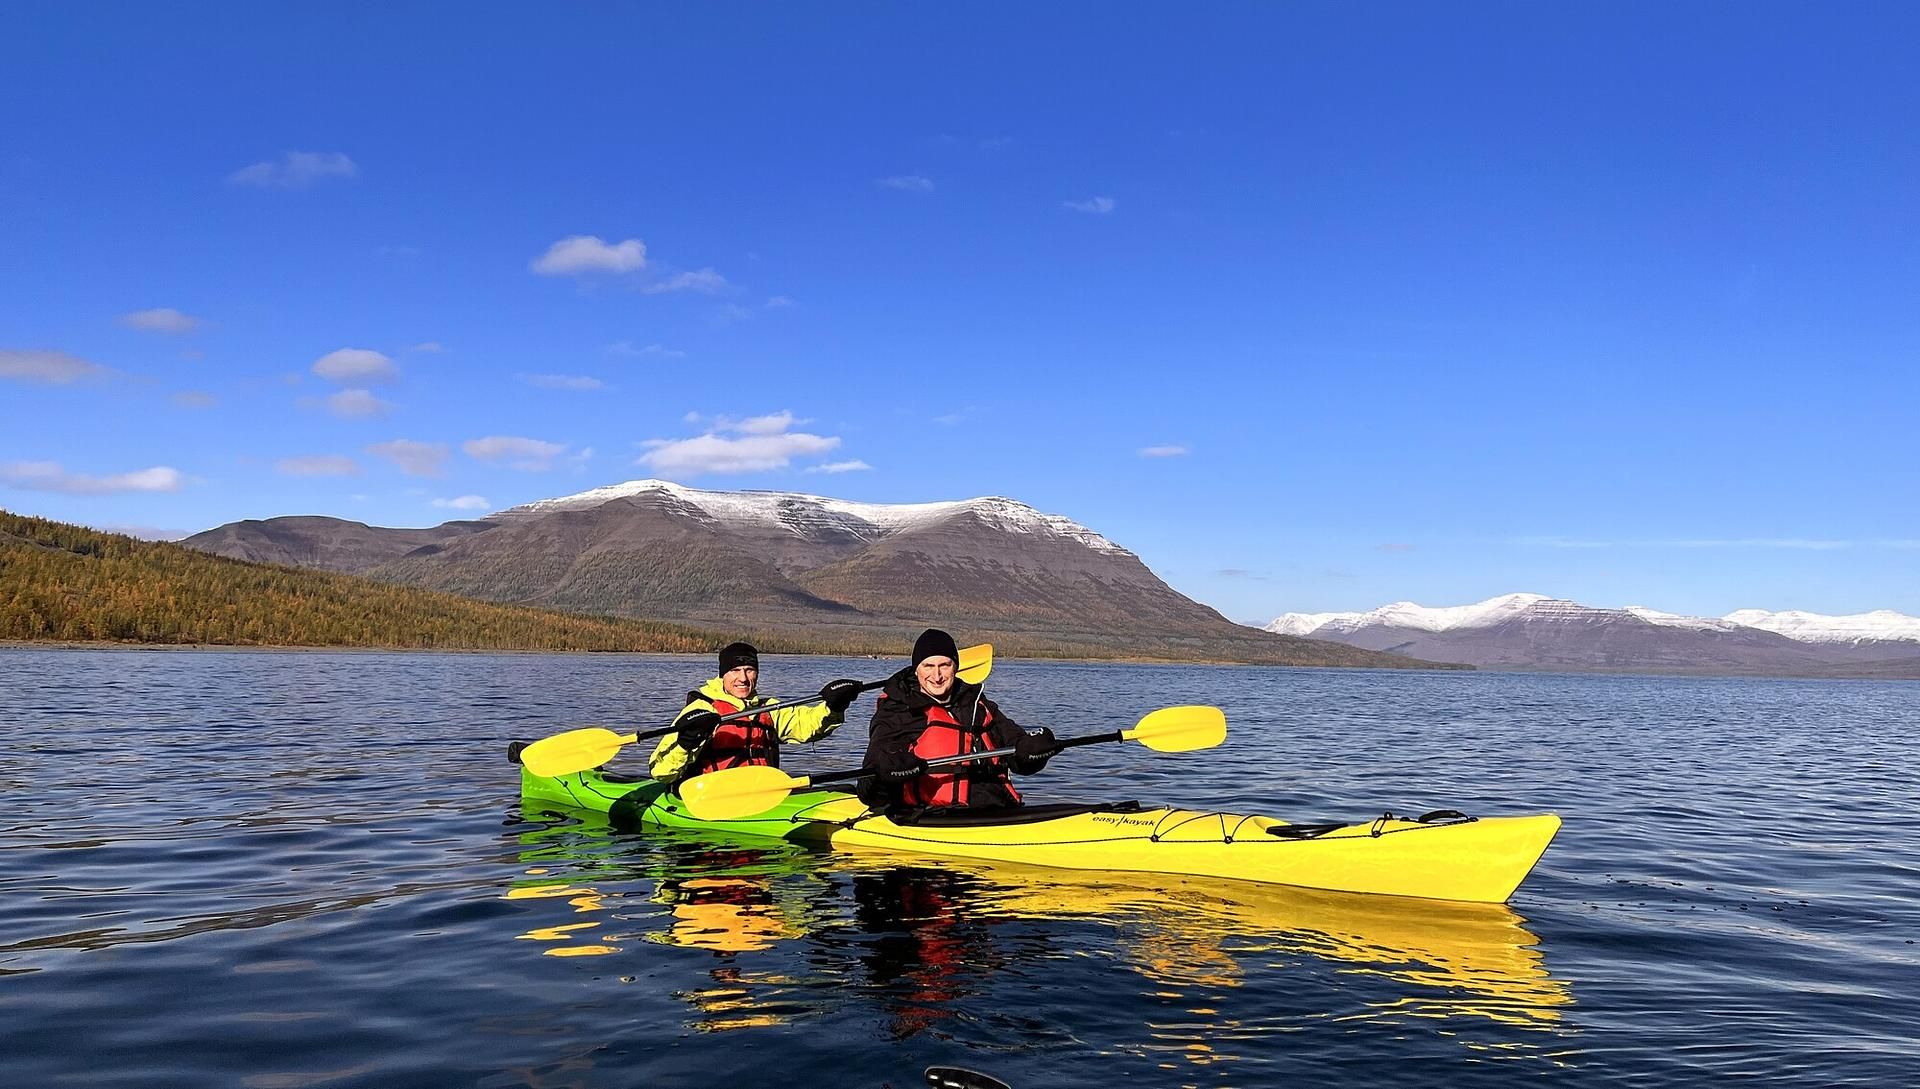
column 742, row 742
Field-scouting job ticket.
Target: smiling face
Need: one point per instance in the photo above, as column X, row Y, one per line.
column 936, row 676
column 740, row 681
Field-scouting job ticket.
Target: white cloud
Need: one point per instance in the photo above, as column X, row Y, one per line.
column 580, row 253
column 354, row 365
column 778, row 302
column 625, row 347
column 576, row 382
column 319, row 465
column 295, row 170
column 1163, row 451
column 747, row 454
column 413, row 458
column 909, row 183
column 529, row 455
column 48, row 476
column 465, row 502
column 193, row 398
column 854, row 466
column 164, row 319
column 1097, row 206
column 48, row 368
column 357, row 404
column 428, row 346
column 758, row 443
column 771, row 424
column 706, row 281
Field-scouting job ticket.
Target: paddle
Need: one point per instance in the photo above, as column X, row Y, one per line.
column 734, row 793
column 578, row 750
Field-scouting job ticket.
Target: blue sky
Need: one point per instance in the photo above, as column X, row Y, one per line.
column 1313, row 306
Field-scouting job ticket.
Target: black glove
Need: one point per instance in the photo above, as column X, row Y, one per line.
column 839, row 695
column 900, row 767
column 696, row 728
column 1033, row 748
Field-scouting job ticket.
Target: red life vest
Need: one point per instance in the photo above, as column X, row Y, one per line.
column 746, row 742
column 944, row 736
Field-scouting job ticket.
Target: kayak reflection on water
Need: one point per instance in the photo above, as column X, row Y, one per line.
column 926, row 937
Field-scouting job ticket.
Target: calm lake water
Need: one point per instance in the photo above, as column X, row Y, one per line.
column 279, row 870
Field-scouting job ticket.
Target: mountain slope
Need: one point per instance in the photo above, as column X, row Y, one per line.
column 66, row 582
column 855, row 573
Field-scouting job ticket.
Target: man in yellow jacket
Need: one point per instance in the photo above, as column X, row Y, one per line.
column 702, row 743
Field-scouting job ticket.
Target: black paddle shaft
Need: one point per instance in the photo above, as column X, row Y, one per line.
column 749, row 712
column 967, row 757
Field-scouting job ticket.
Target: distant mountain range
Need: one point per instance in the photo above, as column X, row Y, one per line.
column 988, row 568
column 1533, row 631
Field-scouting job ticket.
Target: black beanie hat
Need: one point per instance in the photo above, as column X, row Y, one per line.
column 735, row 655
column 934, row 643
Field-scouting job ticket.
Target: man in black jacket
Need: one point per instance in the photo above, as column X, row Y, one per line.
column 926, row 711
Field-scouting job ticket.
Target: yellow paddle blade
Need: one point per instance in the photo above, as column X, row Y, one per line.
column 733, row 793
column 975, row 663
column 1180, row 729
column 575, row 750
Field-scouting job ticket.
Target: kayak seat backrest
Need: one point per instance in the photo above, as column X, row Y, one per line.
column 962, row 817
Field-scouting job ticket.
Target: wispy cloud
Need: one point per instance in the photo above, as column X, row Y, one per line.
column 527, row 455
column 164, row 319
column 357, row 404
column 48, row 368
column 1164, row 451
column 585, row 253
column 1394, row 546
column 756, row 444
column 854, row 466
column 1240, row 573
column 319, row 465
column 778, row 302
column 193, row 398
column 907, row 183
column 413, row 458
column 1097, row 206
column 433, row 347
column 465, row 502
column 355, row 365
column 705, row 281
column 48, row 476
column 295, row 170
column 625, row 347
column 576, row 382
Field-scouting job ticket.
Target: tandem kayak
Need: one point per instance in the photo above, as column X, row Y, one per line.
column 1439, row 856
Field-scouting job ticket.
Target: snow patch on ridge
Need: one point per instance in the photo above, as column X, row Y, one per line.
column 1878, row 625
column 1882, row 625
column 806, row 515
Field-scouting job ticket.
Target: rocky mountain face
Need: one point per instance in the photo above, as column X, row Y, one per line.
column 1532, row 631
column 989, row 568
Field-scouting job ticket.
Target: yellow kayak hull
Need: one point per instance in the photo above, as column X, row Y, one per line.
column 1476, row 861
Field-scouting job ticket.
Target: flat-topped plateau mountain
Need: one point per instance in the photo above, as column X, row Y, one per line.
column 1533, row 631
column 871, row 574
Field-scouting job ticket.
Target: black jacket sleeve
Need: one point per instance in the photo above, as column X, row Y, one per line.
column 1005, row 732
column 890, row 741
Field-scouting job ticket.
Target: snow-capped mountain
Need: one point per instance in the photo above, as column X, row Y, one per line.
column 817, row 517
column 787, row 561
column 1533, row 631
column 1880, row 625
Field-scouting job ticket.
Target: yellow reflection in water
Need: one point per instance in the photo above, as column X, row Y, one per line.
column 930, row 933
